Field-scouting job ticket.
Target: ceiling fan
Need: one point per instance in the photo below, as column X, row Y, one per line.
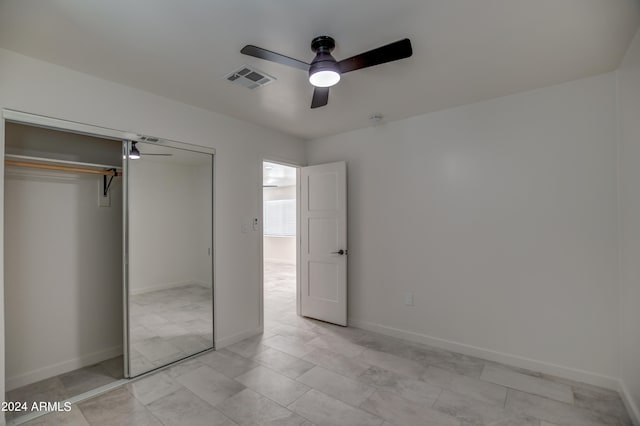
column 324, row 70
column 135, row 153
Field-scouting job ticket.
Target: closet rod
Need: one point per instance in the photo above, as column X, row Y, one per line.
column 62, row 168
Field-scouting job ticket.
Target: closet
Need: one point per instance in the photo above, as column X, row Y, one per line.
column 107, row 257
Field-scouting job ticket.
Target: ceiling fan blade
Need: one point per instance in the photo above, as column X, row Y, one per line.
column 161, row 155
column 320, row 97
column 267, row 55
column 391, row 52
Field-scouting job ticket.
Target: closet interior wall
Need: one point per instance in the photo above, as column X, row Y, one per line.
column 63, row 257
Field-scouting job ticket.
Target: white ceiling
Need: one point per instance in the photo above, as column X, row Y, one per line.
column 464, row 50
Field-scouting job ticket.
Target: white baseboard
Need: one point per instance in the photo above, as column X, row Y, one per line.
column 202, row 284
column 629, row 403
column 490, row 355
column 162, row 287
column 61, row 368
column 230, row 340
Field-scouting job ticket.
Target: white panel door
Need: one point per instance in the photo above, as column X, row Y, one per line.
column 323, row 242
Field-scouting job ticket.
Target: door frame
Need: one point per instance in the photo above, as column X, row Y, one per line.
column 297, row 166
column 24, row 118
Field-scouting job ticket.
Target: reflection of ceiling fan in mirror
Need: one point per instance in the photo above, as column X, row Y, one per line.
column 135, row 153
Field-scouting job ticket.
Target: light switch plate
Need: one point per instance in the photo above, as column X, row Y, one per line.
column 408, row 298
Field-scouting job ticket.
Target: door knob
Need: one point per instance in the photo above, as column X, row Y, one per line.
column 340, row 252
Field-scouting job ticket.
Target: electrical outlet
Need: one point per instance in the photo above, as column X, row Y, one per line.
column 408, row 298
column 256, row 226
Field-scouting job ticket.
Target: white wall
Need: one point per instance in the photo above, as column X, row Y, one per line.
column 501, row 217
column 38, row 87
column 280, row 249
column 169, row 225
column 629, row 107
column 40, row 142
column 63, row 274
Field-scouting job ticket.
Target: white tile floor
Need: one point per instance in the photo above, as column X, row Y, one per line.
column 168, row 325
column 67, row 385
column 305, row 372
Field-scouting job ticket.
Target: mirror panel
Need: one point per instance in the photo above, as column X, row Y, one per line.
column 170, row 297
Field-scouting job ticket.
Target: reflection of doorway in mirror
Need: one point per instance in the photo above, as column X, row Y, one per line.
column 170, row 240
column 279, row 242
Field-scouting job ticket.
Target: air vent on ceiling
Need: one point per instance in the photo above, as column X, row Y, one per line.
column 249, row 77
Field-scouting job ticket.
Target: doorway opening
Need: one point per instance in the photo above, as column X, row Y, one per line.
column 279, row 254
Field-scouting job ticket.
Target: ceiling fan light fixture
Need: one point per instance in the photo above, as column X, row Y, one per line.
column 324, row 70
column 134, row 154
column 324, row 78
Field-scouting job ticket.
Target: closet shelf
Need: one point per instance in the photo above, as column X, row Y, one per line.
column 62, row 165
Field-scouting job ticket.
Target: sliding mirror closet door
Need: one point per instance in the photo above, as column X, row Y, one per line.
column 169, row 278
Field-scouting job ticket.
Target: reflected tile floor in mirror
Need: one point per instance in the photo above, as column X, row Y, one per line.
column 168, row 325
column 304, row 372
column 68, row 385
